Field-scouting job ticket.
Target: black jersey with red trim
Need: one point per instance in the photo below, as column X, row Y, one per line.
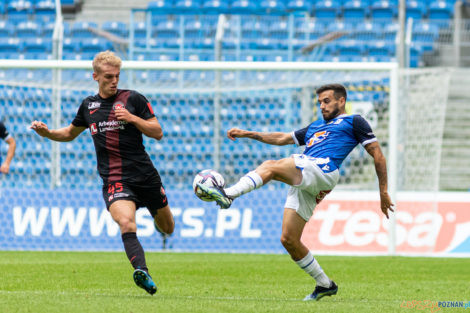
column 3, row 134
column 3, row 131
column 120, row 152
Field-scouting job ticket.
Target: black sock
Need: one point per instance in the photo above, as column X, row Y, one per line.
column 134, row 251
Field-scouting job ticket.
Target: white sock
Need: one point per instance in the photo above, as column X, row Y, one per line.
column 247, row 183
column 310, row 265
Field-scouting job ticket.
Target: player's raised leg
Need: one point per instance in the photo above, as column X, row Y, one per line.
column 292, row 228
column 283, row 170
column 123, row 212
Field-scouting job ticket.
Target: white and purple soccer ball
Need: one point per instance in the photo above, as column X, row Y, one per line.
column 208, row 178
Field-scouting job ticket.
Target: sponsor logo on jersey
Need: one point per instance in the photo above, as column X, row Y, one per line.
column 162, row 191
column 338, row 121
column 118, row 105
column 121, row 195
column 93, row 129
column 94, row 105
column 93, row 111
column 317, row 137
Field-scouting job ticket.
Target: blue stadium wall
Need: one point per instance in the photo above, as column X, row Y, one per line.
column 343, row 223
column 77, row 220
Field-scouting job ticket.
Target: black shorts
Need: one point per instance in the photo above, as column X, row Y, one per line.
column 149, row 193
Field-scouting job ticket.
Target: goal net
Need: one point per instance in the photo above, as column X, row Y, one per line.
column 197, row 102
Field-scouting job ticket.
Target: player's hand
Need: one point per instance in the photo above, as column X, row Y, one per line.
column 5, row 168
column 386, row 203
column 40, row 128
column 234, row 133
column 124, row 115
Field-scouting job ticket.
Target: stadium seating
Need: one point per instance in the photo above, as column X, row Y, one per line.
column 441, row 11
column 185, row 30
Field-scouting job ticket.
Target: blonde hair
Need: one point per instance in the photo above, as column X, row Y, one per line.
column 106, row 57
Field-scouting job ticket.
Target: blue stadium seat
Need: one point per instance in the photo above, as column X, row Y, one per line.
column 425, row 32
column 279, row 30
column 267, row 43
column 37, row 45
column 368, row 31
column 140, row 30
column 95, row 45
column 356, row 9
column 6, row 29
column 415, row 53
column 204, row 43
column 251, row 31
column 276, row 58
column 380, row 48
column 344, row 27
column 299, row 5
column 308, row 29
column 81, row 29
column 28, row 30
column 39, row 56
column 187, row 5
column 350, row 48
column 160, row 6
column 9, row 45
column 244, row 6
column 383, row 10
column 416, row 10
column 71, row 46
column 44, row 11
column 270, row 6
column 327, row 9
column 48, row 30
column 116, row 28
column 214, row 6
column 441, row 10
column 166, row 29
column 193, row 29
column 19, row 10
column 83, row 75
column 390, row 32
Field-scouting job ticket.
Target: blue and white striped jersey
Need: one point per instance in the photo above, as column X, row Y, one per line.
column 330, row 142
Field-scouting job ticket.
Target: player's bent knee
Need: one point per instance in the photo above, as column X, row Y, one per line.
column 288, row 241
column 127, row 225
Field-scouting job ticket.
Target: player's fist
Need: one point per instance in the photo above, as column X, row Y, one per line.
column 40, row 128
column 123, row 115
column 236, row 133
column 5, row 168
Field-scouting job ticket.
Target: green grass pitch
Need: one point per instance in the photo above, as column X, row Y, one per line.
column 187, row 282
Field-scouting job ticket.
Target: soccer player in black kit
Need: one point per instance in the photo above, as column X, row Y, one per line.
column 117, row 119
column 5, row 135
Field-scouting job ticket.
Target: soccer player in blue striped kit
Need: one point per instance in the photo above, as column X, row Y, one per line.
column 311, row 175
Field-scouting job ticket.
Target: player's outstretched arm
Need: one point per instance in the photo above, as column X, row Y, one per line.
column 381, row 169
column 274, row 138
column 5, row 167
column 64, row 134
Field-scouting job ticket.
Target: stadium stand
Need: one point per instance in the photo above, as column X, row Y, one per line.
column 273, row 30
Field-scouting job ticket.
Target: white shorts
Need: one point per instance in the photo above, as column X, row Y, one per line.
column 315, row 185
